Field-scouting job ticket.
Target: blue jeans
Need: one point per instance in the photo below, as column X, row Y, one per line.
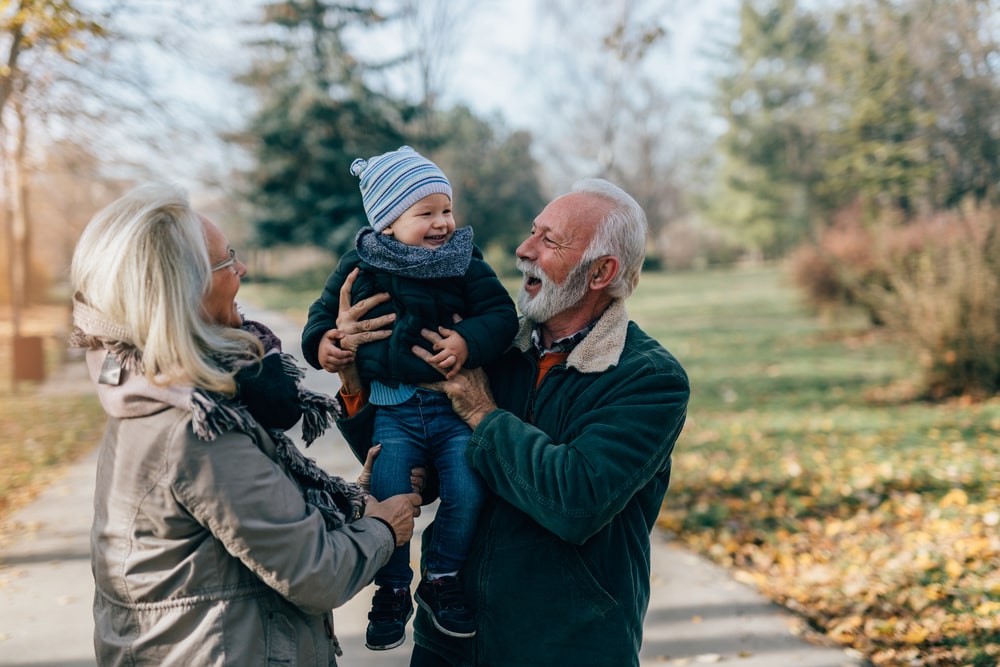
column 424, row 430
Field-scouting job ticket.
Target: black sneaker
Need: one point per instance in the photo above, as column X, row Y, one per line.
column 387, row 619
column 445, row 602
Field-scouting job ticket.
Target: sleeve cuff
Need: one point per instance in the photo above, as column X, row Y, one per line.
column 354, row 402
column 387, row 525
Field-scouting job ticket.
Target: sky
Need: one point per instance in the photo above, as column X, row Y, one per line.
column 491, row 68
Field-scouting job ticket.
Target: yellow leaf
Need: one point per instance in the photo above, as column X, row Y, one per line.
column 987, row 608
column 916, row 635
column 954, row 569
column 956, row 498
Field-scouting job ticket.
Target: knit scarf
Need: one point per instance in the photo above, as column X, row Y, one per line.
column 213, row 413
column 386, row 253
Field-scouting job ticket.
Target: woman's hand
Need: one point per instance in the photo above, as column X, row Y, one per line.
column 418, row 474
column 338, row 346
column 355, row 331
column 398, row 511
column 365, row 478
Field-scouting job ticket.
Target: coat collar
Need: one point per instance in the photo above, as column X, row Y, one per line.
column 600, row 350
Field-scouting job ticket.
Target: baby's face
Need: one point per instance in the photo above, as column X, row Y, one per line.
column 426, row 224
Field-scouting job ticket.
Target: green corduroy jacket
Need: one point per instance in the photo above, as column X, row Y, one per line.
column 558, row 573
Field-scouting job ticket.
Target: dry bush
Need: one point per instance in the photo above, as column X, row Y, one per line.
column 932, row 282
column 841, row 267
column 684, row 244
column 942, row 298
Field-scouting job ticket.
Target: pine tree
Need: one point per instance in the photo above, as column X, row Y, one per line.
column 317, row 114
column 769, row 162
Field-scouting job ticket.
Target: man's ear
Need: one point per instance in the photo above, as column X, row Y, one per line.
column 602, row 271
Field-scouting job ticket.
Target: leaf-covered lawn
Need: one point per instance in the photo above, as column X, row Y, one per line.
column 37, row 436
column 877, row 521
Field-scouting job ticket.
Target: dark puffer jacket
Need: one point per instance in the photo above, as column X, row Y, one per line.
column 489, row 319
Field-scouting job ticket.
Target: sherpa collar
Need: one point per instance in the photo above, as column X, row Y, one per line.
column 600, row 350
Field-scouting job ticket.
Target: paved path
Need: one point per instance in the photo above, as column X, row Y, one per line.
column 698, row 614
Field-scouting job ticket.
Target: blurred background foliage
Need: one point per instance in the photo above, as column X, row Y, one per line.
column 842, row 138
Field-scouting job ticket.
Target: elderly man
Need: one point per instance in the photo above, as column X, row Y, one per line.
column 573, row 431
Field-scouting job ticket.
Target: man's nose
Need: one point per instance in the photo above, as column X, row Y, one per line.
column 524, row 250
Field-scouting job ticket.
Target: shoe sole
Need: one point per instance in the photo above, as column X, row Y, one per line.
column 386, row 647
column 430, row 612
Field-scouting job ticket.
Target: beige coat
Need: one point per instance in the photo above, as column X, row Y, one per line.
column 205, row 553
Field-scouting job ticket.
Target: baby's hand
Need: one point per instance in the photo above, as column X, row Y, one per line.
column 452, row 352
column 333, row 358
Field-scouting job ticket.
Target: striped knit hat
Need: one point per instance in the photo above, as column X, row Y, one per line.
column 395, row 181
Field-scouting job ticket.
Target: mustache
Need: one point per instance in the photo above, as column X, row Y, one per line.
column 531, row 270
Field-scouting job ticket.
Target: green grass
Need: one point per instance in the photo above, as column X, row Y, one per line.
column 747, row 344
column 873, row 518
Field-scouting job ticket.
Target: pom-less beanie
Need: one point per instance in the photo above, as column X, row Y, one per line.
column 395, row 181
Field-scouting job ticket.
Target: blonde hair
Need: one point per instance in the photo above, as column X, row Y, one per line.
column 142, row 262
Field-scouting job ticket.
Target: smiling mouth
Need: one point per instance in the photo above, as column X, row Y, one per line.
column 531, row 280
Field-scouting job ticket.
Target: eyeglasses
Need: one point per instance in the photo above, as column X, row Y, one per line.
column 229, row 261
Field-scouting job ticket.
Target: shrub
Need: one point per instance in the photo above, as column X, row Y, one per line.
column 933, row 282
column 841, row 267
column 684, row 244
column 941, row 296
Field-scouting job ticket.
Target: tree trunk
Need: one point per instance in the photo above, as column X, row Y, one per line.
column 20, row 218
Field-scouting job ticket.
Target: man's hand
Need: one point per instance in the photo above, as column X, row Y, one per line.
column 470, row 395
column 398, row 511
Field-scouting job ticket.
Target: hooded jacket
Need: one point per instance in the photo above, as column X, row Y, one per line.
column 204, row 552
column 558, row 572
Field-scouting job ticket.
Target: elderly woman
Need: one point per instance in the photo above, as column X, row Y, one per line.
column 215, row 542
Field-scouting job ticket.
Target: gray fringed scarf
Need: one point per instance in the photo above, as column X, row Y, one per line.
column 384, row 252
column 213, row 414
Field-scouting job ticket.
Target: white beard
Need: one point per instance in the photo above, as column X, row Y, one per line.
column 552, row 299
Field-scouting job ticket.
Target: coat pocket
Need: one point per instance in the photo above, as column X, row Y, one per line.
column 281, row 640
column 584, row 582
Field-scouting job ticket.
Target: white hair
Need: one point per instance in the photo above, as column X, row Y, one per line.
column 621, row 234
column 142, row 262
